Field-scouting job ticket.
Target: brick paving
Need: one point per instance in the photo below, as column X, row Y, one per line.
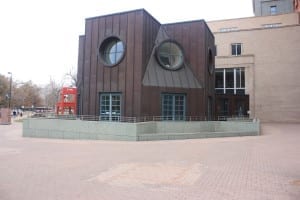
column 248, row 168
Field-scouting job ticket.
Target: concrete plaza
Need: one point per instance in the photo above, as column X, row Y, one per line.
column 251, row 167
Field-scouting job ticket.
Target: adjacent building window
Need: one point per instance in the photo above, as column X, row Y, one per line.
column 236, row 49
column 273, row 10
column 230, row 81
column 173, row 106
column 112, row 51
column 228, row 29
column 274, row 25
column 170, row 55
column 110, row 106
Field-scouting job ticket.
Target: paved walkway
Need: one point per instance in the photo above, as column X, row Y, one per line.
column 247, row 168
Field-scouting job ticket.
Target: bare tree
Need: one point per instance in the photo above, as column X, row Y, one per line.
column 26, row 94
column 51, row 93
column 71, row 76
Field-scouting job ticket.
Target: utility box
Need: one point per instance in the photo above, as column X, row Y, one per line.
column 5, row 117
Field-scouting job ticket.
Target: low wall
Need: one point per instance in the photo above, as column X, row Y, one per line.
column 169, row 130
column 162, row 130
column 78, row 129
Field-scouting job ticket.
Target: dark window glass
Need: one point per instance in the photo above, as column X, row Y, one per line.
column 233, row 50
column 229, row 78
column 167, row 106
column 219, row 91
column 242, row 78
column 236, row 49
column 240, row 91
column 219, row 78
column 229, row 91
column 238, row 78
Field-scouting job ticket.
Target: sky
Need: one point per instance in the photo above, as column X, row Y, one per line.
column 39, row 38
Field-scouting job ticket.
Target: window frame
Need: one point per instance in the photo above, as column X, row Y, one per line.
column 273, row 10
column 236, row 87
column 177, row 65
column 108, row 44
column 110, row 116
column 234, row 49
column 174, row 107
column 228, row 29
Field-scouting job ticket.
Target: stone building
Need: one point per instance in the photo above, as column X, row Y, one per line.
column 273, row 7
column 257, row 64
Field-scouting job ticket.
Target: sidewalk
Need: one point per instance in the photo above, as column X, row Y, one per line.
column 247, row 168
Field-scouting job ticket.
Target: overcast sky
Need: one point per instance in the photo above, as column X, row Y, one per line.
column 39, row 38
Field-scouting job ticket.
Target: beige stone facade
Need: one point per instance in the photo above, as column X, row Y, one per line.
column 270, row 55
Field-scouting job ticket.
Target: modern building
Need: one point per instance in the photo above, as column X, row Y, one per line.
column 130, row 65
column 273, row 7
column 257, row 63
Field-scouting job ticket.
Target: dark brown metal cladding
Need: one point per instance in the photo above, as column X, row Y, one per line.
column 138, row 30
column 87, row 68
column 80, row 69
column 93, row 70
column 192, row 37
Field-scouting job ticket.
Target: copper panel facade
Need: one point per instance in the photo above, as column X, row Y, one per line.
column 139, row 31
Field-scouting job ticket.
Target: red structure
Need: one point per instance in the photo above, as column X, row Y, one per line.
column 67, row 102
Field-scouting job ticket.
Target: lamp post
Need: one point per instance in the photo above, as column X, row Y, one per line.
column 9, row 99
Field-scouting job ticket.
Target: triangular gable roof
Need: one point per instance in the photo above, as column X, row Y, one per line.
column 155, row 75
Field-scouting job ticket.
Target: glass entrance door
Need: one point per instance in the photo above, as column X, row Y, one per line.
column 110, row 106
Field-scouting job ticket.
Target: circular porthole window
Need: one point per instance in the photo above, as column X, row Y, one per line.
column 170, row 55
column 210, row 62
column 112, row 51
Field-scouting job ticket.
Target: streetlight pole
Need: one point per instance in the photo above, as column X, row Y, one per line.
column 9, row 100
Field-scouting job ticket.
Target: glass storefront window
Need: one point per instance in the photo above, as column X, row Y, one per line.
column 230, row 81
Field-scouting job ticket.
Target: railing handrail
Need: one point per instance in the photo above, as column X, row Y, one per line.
column 135, row 119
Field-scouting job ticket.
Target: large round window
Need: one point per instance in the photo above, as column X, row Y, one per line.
column 112, row 51
column 170, row 55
